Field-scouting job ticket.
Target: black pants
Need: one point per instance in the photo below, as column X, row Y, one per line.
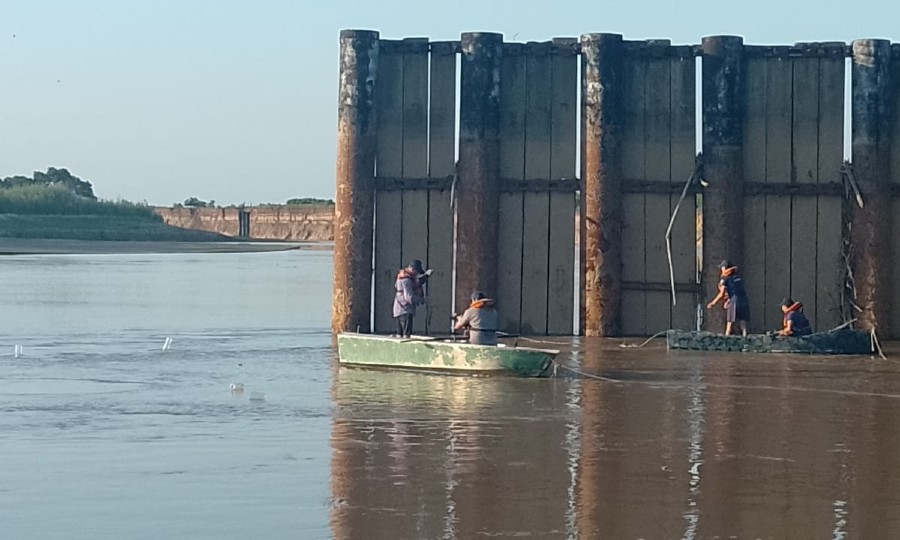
column 405, row 324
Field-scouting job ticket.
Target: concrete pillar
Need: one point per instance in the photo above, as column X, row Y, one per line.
column 723, row 103
column 872, row 96
column 354, row 206
column 602, row 95
column 477, row 195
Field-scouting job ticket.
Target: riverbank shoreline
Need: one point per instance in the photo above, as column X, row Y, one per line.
column 30, row 246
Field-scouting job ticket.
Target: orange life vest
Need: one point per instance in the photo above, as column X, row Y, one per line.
column 484, row 302
column 796, row 306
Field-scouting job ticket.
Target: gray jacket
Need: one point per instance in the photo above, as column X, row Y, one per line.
column 482, row 324
column 407, row 294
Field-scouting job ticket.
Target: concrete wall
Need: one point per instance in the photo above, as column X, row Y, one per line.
column 310, row 223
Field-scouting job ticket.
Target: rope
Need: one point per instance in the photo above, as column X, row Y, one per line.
column 584, row 374
column 453, row 185
column 648, row 340
column 541, row 341
column 687, row 185
column 842, row 325
column 847, row 171
column 876, row 346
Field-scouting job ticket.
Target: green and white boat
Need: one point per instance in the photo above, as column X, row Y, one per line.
column 433, row 354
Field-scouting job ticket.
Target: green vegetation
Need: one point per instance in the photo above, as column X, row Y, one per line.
column 310, row 201
column 97, row 227
column 53, row 177
column 55, row 199
column 194, row 202
column 57, row 204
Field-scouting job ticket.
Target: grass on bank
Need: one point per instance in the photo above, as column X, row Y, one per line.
column 52, row 211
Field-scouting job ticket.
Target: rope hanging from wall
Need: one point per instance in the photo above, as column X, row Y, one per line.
column 696, row 174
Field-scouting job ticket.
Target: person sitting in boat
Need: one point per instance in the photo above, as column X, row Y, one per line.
column 737, row 304
column 480, row 319
column 795, row 321
column 408, row 294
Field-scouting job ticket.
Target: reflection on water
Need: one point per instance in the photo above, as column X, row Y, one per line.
column 429, row 457
column 105, row 435
column 668, row 446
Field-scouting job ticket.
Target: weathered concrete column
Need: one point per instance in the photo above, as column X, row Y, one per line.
column 872, row 98
column 477, row 198
column 351, row 302
column 723, row 219
column 602, row 59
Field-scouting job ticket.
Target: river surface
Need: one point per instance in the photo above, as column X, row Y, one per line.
column 103, row 434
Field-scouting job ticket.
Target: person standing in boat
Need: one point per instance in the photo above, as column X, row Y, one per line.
column 795, row 321
column 737, row 304
column 408, row 294
column 480, row 319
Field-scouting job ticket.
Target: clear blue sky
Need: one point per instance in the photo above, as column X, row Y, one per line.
column 236, row 101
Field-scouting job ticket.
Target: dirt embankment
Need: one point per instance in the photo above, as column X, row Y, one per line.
column 293, row 223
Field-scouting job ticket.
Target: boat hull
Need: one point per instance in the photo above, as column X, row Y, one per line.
column 845, row 341
column 437, row 355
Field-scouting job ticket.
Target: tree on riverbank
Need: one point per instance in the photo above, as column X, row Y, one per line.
column 53, row 177
column 194, row 202
column 310, row 201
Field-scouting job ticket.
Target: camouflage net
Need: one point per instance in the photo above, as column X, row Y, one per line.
column 844, row 341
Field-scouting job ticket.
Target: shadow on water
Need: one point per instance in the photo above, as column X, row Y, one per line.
column 662, row 445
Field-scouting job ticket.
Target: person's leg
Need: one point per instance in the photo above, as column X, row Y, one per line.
column 399, row 325
column 730, row 318
column 406, row 325
column 742, row 315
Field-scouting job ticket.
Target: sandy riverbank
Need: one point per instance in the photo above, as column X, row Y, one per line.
column 19, row 246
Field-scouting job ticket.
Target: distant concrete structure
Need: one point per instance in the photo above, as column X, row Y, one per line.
column 312, row 223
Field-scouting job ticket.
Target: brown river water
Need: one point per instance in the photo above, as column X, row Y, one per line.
column 665, row 445
column 103, row 434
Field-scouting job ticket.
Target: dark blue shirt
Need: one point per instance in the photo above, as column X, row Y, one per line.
column 799, row 323
column 734, row 286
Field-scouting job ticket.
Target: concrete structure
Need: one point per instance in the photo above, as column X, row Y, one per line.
column 771, row 197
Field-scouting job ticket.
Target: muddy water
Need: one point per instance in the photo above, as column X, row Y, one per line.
column 665, row 445
column 105, row 435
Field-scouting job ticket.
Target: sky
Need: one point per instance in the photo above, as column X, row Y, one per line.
column 161, row 100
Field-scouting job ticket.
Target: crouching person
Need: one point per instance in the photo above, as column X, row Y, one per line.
column 795, row 321
column 480, row 320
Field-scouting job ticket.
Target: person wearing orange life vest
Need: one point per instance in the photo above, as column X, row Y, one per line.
column 795, row 321
column 408, row 294
column 737, row 304
column 480, row 319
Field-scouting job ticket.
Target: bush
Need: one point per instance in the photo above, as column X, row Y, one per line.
column 55, row 199
column 310, row 201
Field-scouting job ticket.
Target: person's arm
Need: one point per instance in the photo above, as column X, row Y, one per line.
column 718, row 297
column 788, row 327
column 417, row 294
column 407, row 293
column 462, row 321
